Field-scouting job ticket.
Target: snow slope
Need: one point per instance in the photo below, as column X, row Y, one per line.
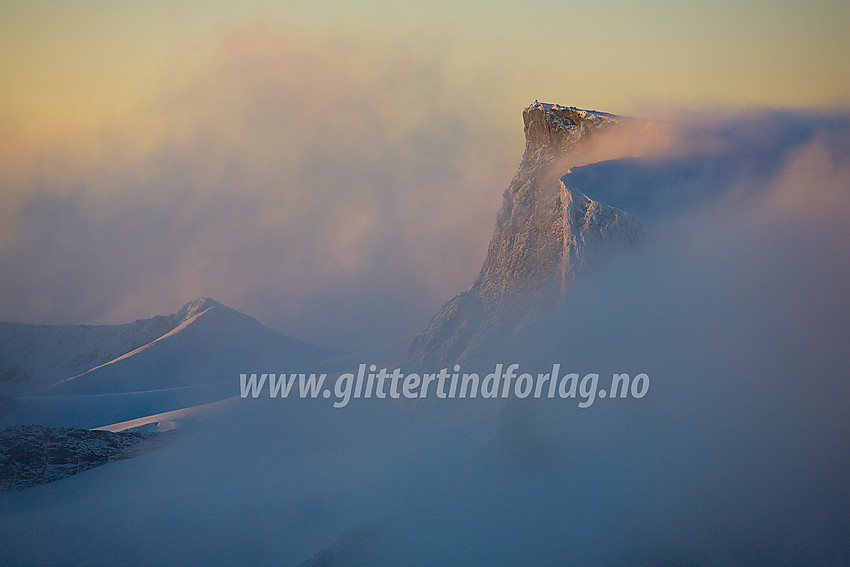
column 89, row 376
column 33, row 357
column 212, row 343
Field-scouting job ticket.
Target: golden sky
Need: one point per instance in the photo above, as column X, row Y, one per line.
column 75, row 65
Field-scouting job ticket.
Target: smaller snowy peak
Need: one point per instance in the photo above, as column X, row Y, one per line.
column 197, row 306
column 36, row 357
column 209, row 344
column 562, row 128
column 206, row 311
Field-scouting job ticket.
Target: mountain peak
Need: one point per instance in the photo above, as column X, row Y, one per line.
column 545, row 234
column 196, row 306
column 561, row 128
column 204, row 343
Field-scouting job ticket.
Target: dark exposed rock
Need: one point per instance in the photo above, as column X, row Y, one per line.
column 34, row 454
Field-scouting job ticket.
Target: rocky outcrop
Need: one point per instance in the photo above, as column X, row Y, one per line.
column 33, row 454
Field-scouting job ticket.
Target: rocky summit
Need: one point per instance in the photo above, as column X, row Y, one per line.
column 545, row 234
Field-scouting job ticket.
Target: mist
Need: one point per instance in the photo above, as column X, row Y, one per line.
column 340, row 191
column 338, row 188
column 735, row 305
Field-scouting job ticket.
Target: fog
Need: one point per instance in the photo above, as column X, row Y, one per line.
column 340, row 192
column 735, row 305
column 336, row 188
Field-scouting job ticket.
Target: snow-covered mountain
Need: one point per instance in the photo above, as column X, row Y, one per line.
column 212, row 343
column 90, row 376
column 745, row 423
column 545, row 234
column 33, row 357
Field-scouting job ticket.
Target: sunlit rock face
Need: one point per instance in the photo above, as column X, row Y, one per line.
column 545, row 235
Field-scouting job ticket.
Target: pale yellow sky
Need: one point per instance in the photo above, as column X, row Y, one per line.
column 73, row 67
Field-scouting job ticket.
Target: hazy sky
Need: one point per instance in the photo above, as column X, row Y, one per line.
column 332, row 168
column 78, row 62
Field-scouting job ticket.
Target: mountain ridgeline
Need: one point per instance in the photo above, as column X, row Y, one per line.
column 545, row 235
column 203, row 342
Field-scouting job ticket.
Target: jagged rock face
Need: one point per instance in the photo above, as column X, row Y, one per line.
column 544, row 235
column 33, row 454
column 559, row 129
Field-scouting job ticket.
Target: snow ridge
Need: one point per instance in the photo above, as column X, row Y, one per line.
column 161, row 352
column 35, row 356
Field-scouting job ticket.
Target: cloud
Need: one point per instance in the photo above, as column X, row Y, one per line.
column 338, row 188
column 737, row 308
